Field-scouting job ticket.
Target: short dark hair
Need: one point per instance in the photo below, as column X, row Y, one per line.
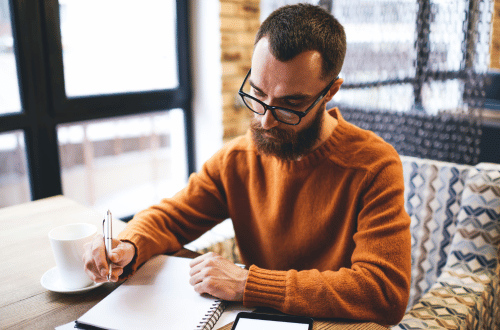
column 294, row 29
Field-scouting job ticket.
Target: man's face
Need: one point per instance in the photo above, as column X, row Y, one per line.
column 294, row 84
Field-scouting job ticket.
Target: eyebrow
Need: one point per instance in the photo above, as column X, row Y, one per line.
column 296, row 96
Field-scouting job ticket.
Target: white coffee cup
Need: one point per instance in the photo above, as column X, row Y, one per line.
column 67, row 245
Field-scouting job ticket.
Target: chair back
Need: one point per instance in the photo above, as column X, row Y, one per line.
column 433, row 194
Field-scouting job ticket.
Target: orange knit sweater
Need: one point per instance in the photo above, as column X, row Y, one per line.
column 326, row 236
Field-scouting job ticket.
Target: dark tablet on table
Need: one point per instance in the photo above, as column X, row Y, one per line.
column 251, row 321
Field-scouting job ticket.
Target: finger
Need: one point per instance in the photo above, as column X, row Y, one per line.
column 122, row 254
column 118, row 255
column 90, row 268
column 88, row 261
column 201, row 287
column 115, row 274
column 199, row 259
column 206, row 286
column 197, row 264
column 115, row 242
column 199, row 276
column 203, row 261
column 99, row 255
column 199, row 267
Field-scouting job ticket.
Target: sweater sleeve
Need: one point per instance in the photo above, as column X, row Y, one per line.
column 174, row 222
column 375, row 287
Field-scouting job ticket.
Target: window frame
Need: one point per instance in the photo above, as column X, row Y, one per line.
column 38, row 52
column 423, row 18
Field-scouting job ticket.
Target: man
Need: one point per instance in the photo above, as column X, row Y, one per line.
column 316, row 203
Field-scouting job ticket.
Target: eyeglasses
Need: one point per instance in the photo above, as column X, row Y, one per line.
column 283, row 115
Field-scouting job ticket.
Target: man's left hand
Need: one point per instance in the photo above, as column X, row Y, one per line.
column 217, row 276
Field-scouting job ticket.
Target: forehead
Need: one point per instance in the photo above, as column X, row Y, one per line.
column 300, row 74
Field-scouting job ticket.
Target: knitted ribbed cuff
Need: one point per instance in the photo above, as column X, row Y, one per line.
column 265, row 288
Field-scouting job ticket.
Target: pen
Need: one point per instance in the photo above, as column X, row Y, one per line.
column 108, row 239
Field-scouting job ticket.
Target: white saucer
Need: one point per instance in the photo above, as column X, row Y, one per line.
column 50, row 281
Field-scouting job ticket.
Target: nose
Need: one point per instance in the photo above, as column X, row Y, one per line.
column 268, row 121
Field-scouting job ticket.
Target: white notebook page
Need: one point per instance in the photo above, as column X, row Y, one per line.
column 158, row 296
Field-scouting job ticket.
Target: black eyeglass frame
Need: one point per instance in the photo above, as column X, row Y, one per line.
column 299, row 114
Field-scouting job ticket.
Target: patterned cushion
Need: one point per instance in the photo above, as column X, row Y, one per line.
column 466, row 294
column 433, row 193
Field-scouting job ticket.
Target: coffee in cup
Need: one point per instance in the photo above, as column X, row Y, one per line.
column 67, row 245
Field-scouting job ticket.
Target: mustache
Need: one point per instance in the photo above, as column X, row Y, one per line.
column 277, row 133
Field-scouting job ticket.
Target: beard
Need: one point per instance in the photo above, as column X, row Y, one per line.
column 285, row 144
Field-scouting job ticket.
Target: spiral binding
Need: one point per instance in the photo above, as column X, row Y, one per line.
column 214, row 313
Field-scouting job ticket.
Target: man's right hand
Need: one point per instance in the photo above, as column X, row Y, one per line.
column 94, row 259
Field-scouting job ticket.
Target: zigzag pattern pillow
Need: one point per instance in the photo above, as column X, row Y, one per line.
column 467, row 294
column 433, row 193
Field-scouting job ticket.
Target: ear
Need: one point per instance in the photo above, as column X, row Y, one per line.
column 334, row 89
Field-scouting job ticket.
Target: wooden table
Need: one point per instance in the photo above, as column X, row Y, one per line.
column 26, row 255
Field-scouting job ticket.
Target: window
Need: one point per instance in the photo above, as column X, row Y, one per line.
column 9, row 86
column 408, row 55
column 148, row 150
column 14, row 185
column 125, row 46
column 381, row 47
column 106, row 79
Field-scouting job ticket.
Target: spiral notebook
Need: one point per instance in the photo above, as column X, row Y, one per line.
column 158, row 296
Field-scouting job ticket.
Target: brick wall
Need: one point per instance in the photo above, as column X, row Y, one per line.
column 239, row 24
column 495, row 37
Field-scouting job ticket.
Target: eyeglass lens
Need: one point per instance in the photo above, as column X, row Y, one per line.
column 281, row 115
